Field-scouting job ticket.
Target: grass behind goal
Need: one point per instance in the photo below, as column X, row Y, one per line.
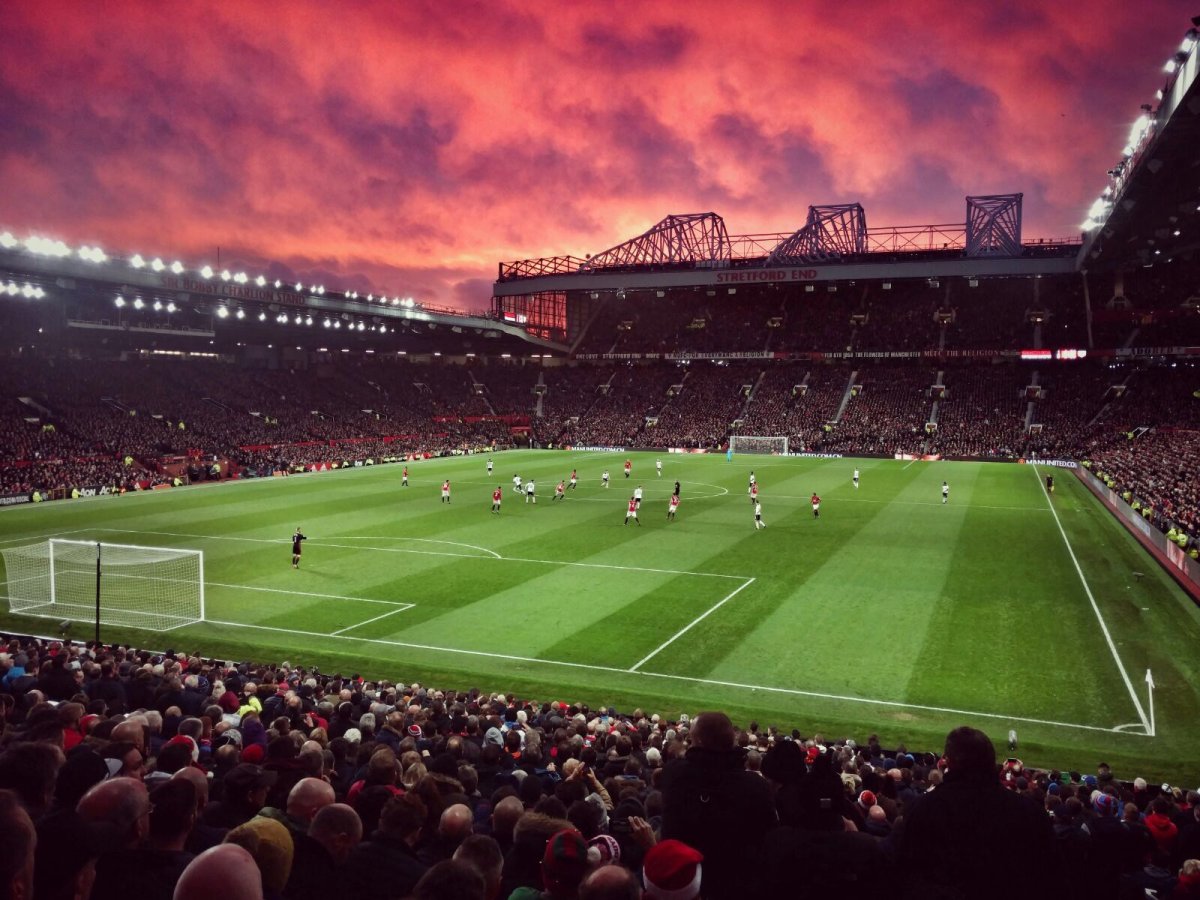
column 892, row 613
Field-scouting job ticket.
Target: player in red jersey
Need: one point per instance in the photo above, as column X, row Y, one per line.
column 628, row 468
column 496, row 495
column 673, row 508
column 631, row 512
column 560, row 491
column 446, row 491
column 404, row 478
column 816, row 505
column 753, row 493
column 574, row 479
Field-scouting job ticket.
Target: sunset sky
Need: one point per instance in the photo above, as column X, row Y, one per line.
column 408, row 147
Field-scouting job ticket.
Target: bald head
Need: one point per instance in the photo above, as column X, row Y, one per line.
column 338, row 829
column 199, row 781
column 456, row 822
column 308, row 797
column 123, row 803
column 506, row 814
column 132, row 730
column 610, row 882
column 226, row 871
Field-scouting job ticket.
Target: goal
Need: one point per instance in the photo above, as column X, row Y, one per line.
column 154, row 588
column 756, row 443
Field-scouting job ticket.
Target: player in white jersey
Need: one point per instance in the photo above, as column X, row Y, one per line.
column 489, row 467
column 658, row 467
column 530, row 497
column 604, row 478
column 753, row 480
column 758, row 522
column 856, row 479
column 637, row 496
column 945, row 492
column 517, row 484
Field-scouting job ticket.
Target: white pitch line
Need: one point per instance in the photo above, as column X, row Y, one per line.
column 1137, row 703
column 392, row 612
column 688, row 678
column 267, row 590
column 497, row 557
column 692, row 624
column 353, row 537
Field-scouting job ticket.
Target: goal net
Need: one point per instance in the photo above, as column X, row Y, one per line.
column 155, row 588
column 755, row 443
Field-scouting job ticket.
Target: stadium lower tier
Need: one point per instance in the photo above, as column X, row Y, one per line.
column 84, row 425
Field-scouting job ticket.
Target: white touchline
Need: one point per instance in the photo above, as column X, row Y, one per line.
column 1137, row 704
column 690, row 625
column 390, row 612
column 688, row 678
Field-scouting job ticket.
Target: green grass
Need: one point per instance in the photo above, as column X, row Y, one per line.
column 892, row 614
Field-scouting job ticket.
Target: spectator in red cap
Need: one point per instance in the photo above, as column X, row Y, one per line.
column 672, row 871
column 564, row 865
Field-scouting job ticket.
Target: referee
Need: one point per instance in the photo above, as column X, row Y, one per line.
column 297, row 539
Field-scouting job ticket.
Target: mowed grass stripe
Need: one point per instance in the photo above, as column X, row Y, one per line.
column 749, row 640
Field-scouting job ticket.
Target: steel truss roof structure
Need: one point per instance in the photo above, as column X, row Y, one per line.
column 831, row 232
column 688, row 238
column 994, row 225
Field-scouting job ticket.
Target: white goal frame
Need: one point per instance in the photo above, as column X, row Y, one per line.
column 755, row 443
column 130, row 585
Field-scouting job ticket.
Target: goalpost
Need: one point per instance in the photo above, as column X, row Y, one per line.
column 153, row 588
column 756, row 443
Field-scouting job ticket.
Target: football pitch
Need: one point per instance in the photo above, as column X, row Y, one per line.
column 891, row 614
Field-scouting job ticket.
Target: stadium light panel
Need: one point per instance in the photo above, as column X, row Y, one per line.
column 308, row 320
column 278, row 284
column 260, row 281
column 225, row 276
column 1171, row 66
column 299, row 286
column 327, row 324
column 157, row 264
column 177, row 267
column 206, row 272
column 370, row 297
column 262, row 317
column 171, row 307
column 12, row 289
column 119, row 302
column 222, row 312
column 137, row 303
column 158, row 306
column 298, row 320
column 241, row 314
column 27, row 291
column 136, row 261
column 240, row 278
column 7, row 241
column 395, row 301
column 337, row 325
column 47, row 247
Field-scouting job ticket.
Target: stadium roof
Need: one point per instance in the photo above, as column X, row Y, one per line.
column 1150, row 209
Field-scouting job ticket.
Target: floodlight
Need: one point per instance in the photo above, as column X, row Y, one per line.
column 222, row 312
column 225, row 276
column 171, row 307
column 307, row 320
column 137, row 303
column 7, row 241
column 27, row 291
column 157, row 305
column 260, row 281
column 177, row 267
column 277, row 283
column 240, row 278
column 206, row 272
column 136, row 261
column 119, row 302
column 157, row 265
column 241, row 314
column 299, row 286
column 262, row 317
column 327, row 323
column 337, row 325
column 298, row 320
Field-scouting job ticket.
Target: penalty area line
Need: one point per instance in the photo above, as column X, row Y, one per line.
column 399, row 609
column 692, row 624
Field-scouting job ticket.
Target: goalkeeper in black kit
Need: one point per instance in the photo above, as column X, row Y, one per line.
column 297, row 540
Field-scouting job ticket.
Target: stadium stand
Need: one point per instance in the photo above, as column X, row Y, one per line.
column 374, row 787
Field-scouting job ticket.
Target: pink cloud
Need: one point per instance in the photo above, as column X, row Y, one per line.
column 405, row 148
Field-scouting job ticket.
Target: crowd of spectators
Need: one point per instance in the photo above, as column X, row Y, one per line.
column 127, row 773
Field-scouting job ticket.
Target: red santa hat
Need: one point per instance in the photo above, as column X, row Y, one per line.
column 672, row 871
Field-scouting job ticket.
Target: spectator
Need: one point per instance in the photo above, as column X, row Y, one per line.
column 227, row 871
